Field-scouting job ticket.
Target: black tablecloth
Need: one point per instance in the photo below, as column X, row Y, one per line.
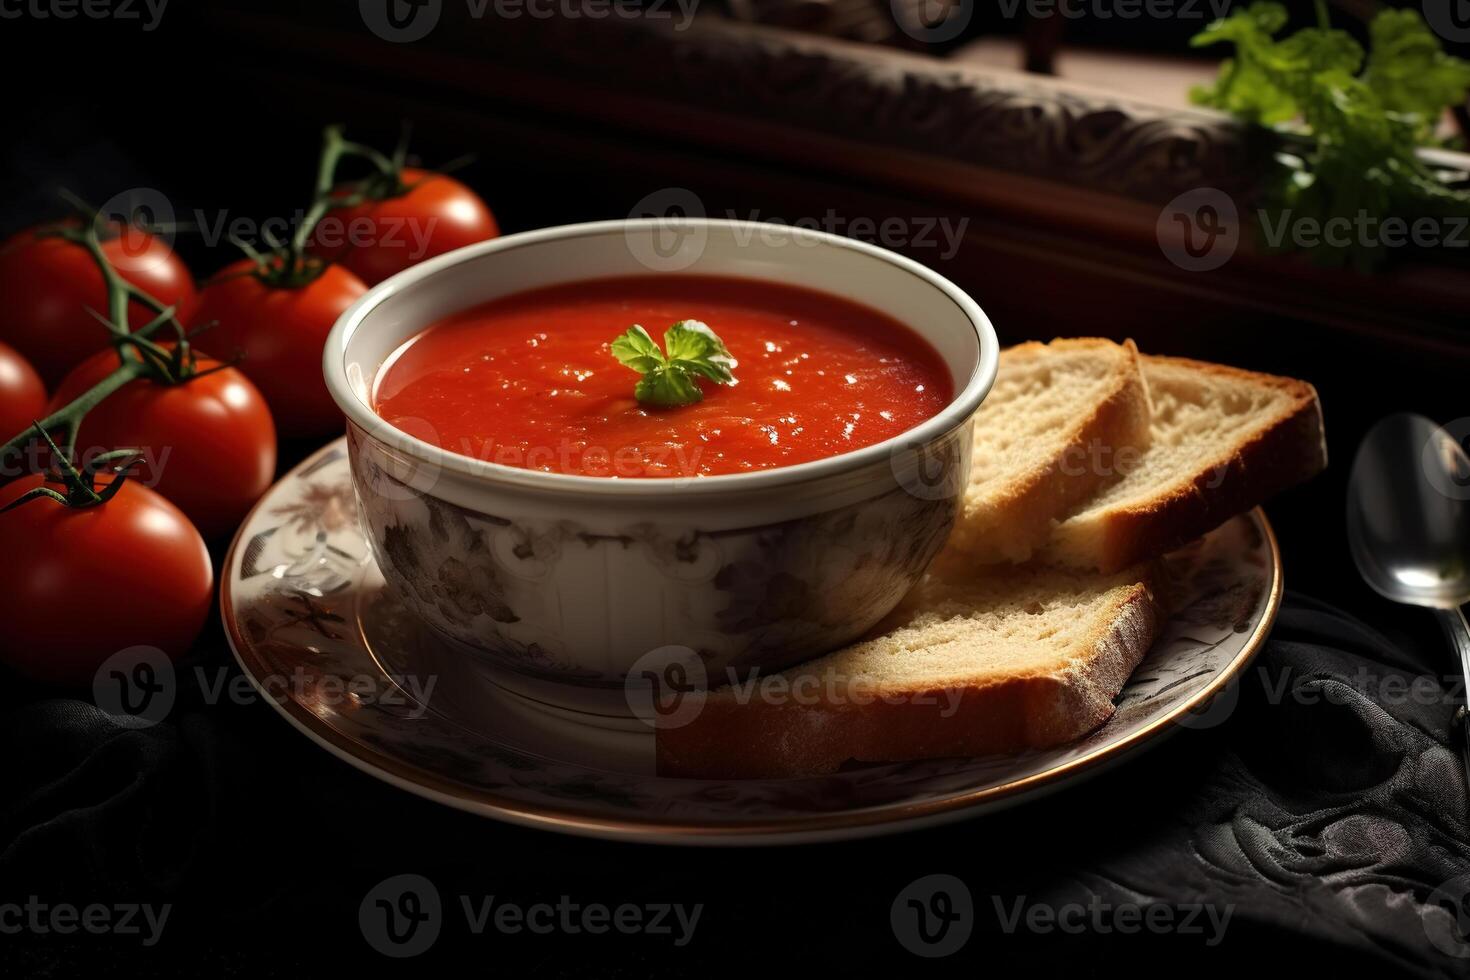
column 1315, row 817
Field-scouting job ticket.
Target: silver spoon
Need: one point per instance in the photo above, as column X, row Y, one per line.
column 1408, row 523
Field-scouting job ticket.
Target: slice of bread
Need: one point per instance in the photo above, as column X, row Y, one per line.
column 1045, row 438
column 969, row 664
column 1223, row 441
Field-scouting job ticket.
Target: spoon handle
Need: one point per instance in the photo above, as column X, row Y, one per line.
column 1454, row 623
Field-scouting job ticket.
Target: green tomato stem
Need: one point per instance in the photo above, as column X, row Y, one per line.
column 138, row 355
column 289, row 267
column 68, row 418
column 81, row 485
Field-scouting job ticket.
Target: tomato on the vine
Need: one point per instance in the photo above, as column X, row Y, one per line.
column 50, row 283
column 279, row 331
column 432, row 215
column 208, row 441
column 22, row 395
column 80, row 584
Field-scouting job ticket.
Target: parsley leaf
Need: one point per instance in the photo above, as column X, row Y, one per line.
column 1408, row 70
column 1245, row 87
column 637, row 350
column 694, row 351
column 1366, row 128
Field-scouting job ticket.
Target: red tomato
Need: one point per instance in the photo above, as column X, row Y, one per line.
column 80, row 584
column 209, row 444
column 279, row 332
column 49, row 284
column 376, row 239
column 22, row 396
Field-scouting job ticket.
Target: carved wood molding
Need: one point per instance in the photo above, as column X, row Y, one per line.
column 1029, row 125
column 1008, row 121
column 1055, row 175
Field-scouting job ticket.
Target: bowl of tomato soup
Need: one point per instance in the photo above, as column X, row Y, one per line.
column 582, row 451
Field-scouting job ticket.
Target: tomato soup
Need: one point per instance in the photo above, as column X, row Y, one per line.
column 529, row 380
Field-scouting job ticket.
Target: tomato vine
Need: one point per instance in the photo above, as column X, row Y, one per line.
column 80, row 484
column 139, row 355
column 290, row 264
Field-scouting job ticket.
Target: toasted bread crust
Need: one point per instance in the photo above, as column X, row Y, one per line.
column 1041, row 706
column 1289, row 451
column 1019, row 519
column 729, row 740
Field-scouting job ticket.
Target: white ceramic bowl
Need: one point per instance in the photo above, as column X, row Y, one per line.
column 570, row 580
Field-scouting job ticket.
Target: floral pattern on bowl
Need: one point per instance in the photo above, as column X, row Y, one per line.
column 514, row 587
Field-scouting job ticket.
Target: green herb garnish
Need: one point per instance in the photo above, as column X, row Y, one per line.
column 694, row 351
column 1365, row 115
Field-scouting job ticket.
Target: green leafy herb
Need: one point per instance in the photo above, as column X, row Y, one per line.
column 1365, row 127
column 694, row 351
column 1408, row 70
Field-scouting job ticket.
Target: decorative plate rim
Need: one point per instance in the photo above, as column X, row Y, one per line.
column 868, row 821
